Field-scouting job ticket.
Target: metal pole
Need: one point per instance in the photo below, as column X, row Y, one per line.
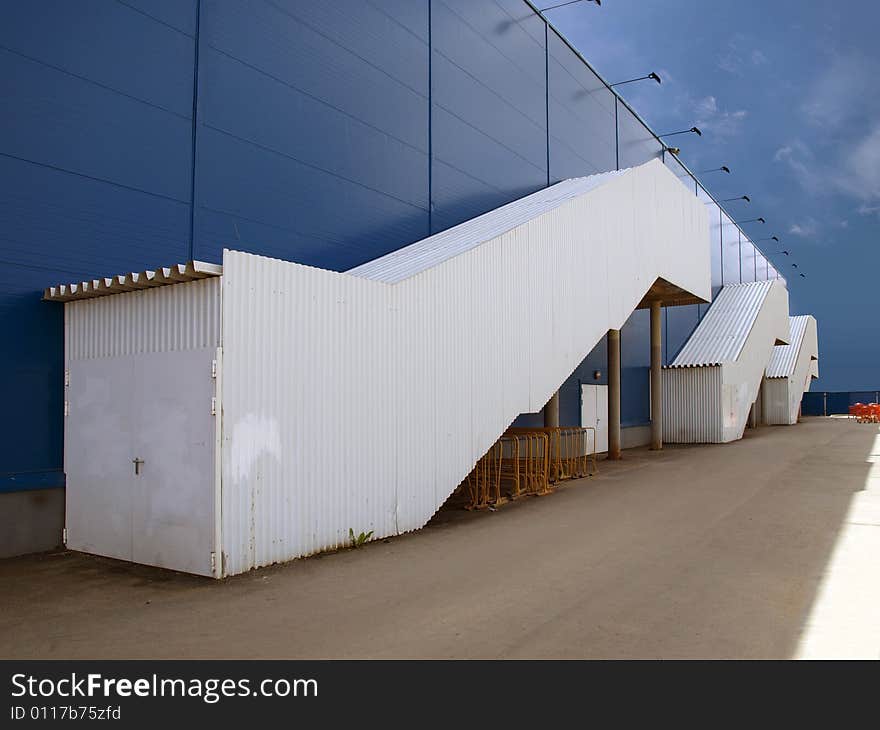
column 551, row 412
column 656, row 382
column 613, row 394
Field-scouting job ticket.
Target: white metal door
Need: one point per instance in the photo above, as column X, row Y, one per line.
column 594, row 412
column 97, row 456
column 173, row 427
column 139, row 458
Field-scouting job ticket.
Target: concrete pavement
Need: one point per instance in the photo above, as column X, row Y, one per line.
column 761, row 548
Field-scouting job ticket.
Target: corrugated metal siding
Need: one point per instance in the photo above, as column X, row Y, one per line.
column 722, row 333
column 754, row 332
column 436, row 249
column 351, row 403
column 793, row 371
column 682, row 423
column 785, row 357
column 776, row 402
column 184, row 316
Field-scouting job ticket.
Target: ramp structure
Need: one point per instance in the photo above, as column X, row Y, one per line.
column 790, row 372
column 352, row 401
column 710, row 386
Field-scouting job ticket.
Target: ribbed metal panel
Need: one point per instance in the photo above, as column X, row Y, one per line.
column 791, row 371
column 682, row 423
column 355, row 404
column 775, row 399
column 436, row 249
column 181, row 317
column 722, row 333
column 757, row 315
column 785, row 357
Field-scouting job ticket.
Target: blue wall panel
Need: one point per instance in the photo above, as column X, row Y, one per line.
column 748, row 261
column 95, row 163
column 715, row 250
column 635, row 396
column 277, row 80
column 581, row 116
column 762, row 267
column 488, row 95
column 679, row 324
column 637, row 144
column 730, row 251
column 635, row 361
column 327, row 133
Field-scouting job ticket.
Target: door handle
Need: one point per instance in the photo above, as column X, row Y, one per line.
column 137, row 465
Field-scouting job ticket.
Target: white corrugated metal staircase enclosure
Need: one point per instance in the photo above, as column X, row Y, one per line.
column 360, row 400
column 790, row 372
column 710, row 386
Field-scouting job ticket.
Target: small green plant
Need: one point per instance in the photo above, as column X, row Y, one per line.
column 358, row 540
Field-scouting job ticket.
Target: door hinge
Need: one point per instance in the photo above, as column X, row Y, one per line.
column 64, row 536
column 66, row 377
column 214, row 406
column 214, row 369
column 66, row 408
column 214, row 563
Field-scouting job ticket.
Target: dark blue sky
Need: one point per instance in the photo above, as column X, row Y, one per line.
column 788, row 96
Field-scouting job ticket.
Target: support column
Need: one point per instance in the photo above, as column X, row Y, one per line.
column 551, row 412
column 656, row 381
column 613, row 394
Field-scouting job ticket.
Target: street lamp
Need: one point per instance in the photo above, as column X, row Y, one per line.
column 750, row 220
column 651, row 75
column 570, row 2
column 694, row 130
column 741, row 197
column 723, row 168
column 769, row 238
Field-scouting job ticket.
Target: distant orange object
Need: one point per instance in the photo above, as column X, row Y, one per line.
column 865, row 412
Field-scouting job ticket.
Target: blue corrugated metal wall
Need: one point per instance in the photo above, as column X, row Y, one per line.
column 138, row 133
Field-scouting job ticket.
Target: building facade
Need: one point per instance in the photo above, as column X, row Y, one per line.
column 137, row 134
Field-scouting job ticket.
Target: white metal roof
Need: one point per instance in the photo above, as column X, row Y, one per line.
column 784, row 358
column 132, row 281
column 428, row 252
column 721, row 334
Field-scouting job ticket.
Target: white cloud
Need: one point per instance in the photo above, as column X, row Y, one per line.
column 707, row 106
column 807, row 229
column 737, row 56
column 720, row 122
column 860, row 173
column 840, row 92
column 800, row 160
